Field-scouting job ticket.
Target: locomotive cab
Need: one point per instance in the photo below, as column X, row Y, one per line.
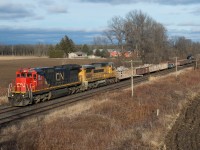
column 25, row 80
column 20, row 93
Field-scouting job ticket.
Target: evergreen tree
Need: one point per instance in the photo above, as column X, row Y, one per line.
column 98, row 52
column 105, row 53
column 86, row 49
column 66, row 45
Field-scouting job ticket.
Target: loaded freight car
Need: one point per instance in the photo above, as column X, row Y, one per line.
column 184, row 61
column 124, row 73
column 142, row 70
column 163, row 66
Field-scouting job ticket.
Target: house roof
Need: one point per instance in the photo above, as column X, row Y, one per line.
column 78, row 53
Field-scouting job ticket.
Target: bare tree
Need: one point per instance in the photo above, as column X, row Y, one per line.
column 146, row 35
column 100, row 42
column 115, row 32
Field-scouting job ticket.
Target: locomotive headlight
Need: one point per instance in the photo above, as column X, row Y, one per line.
column 12, row 95
column 23, row 95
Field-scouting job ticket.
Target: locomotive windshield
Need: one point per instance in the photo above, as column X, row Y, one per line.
column 29, row 75
column 24, row 75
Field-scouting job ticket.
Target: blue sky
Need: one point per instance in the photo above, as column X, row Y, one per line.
column 47, row 21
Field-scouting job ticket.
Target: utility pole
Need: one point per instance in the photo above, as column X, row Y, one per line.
column 176, row 63
column 176, row 66
column 196, row 64
column 12, row 50
column 132, row 75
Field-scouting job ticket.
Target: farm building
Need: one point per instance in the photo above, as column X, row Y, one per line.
column 77, row 55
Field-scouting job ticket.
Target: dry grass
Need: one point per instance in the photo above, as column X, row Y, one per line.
column 3, row 100
column 111, row 121
column 19, row 57
column 3, row 96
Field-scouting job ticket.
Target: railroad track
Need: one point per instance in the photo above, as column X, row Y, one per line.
column 9, row 114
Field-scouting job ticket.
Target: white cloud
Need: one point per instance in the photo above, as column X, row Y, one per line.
column 164, row 2
column 57, row 9
column 92, row 16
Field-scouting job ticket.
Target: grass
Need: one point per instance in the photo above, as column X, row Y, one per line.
column 110, row 121
column 3, row 96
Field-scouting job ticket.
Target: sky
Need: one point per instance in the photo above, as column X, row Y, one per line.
column 47, row 21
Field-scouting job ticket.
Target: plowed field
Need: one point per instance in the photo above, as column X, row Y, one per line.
column 185, row 134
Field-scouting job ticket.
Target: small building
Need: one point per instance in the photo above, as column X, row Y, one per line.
column 77, row 55
column 127, row 54
column 115, row 54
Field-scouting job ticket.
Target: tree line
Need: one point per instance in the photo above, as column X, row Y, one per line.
column 24, row 50
column 138, row 31
column 60, row 50
column 135, row 31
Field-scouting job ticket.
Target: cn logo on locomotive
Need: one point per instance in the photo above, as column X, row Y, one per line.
column 20, row 84
column 59, row 76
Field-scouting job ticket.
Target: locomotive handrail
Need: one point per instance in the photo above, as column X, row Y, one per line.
column 9, row 89
column 31, row 92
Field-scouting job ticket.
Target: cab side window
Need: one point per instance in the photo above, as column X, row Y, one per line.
column 34, row 76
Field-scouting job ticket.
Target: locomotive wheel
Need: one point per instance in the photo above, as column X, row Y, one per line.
column 37, row 99
column 73, row 90
column 44, row 97
column 90, row 86
column 49, row 95
column 78, row 89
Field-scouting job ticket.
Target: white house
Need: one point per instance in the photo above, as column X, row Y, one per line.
column 77, row 55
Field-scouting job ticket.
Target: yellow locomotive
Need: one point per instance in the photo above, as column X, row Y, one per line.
column 97, row 74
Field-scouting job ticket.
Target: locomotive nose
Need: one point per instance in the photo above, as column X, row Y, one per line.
column 21, row 84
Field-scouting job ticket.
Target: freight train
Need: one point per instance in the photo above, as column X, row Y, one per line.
column 34, row 85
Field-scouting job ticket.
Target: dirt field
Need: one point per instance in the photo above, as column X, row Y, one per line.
column 185, row 134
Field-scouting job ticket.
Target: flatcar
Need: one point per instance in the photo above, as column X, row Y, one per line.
column 34, row 85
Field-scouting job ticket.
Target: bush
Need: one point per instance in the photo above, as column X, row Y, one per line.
column 56, row 53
